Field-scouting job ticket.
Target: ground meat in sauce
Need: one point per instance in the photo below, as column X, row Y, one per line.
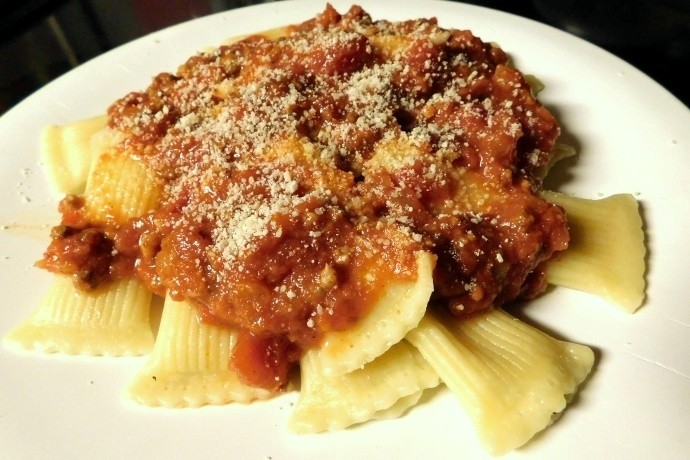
column 302, row 174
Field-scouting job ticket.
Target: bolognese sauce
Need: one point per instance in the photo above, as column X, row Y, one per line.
column 302, row 174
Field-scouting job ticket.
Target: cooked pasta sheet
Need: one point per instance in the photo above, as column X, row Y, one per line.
column 399, row 309
column 508, row 376
column 383, row 388
column 68, row 152
column 114, row 319
column 606, row 254
column 188, row 366
column 120, row 187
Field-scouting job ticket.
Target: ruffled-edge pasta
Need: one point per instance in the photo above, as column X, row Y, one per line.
column 188, row 366
column 67, row 153
column 606, row 254
column 509, row 377
column 383, row 388
column 399, row 309
column 121, row 187
column 112, row 320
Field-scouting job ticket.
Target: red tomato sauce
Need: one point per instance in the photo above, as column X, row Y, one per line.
column 303, row 174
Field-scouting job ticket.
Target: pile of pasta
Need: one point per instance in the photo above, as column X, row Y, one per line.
column 511, row 378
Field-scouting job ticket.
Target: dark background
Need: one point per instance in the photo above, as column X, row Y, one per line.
column 42, row 39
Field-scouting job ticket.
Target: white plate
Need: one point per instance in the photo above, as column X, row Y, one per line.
column 632, row 135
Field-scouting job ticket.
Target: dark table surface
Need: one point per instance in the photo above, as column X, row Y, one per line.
column 652, row 35
column 41, row 39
